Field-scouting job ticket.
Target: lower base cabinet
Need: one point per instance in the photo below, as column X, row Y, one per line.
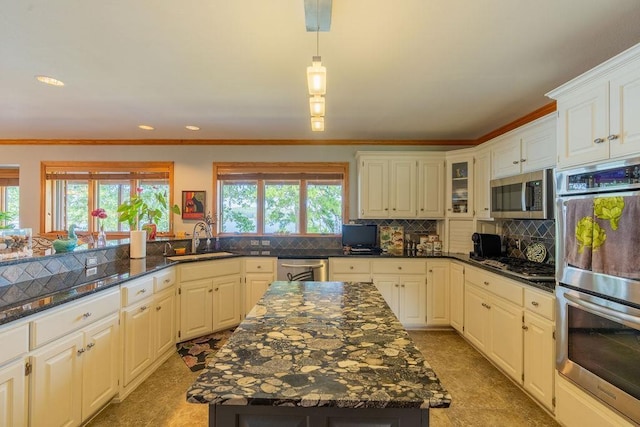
column 75, row 376
column 438, row 293
column 406, row 295
column 13, row 394
column 456, row 296
column 539, row 358
column 138, row 339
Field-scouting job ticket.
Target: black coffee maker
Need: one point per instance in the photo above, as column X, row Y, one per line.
column 486, row 245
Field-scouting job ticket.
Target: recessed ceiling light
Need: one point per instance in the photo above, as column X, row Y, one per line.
column 146, row 127
column 191, row 127
column 49, row 80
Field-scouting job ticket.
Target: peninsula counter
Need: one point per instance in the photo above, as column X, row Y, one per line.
column 319, row 354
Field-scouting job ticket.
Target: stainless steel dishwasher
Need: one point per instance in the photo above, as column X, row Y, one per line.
column 314, row 269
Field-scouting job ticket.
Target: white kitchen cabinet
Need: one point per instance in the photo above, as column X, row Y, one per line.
column 349, row 269
column 149, row 323
column 259, row 273
column 529, row 148
column 74, row 376
column 209, row 296
column 402, row 284
column 13, row 394
column 539, row 346
column 438, row 292
column 493, row 319
column 14, row 346
column 75, row 359
column 460, row 186
column 456, row 296
column 431, row 187
column 599, row 111
column 387, row 187
column 482, row 181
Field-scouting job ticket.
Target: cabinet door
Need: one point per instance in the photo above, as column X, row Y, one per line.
column 538, row 147
column 438, row 293
column 164, row 313
column 101, row 362
column 506, row 157
column 56, row 389
column 476, row 317
column 506, row 337
column 340, row 277
column 138, row 339
column 226, row 302
column 456, row 295
column 13, row 394
column 412, row 300
column 196, row 309
column 431, row 188
column 256, row 285
column 460, row 188
column 388, row 286
column 373, row 196
column 482, row 181
column 583, row 123
column 402, row 189
column 625, row 112
column 539, row 362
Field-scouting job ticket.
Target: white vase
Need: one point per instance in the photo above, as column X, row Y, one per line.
column 138, row 244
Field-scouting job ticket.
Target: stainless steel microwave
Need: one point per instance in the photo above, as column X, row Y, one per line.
column 529, row 195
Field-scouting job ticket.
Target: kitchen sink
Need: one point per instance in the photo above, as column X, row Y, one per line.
column 194, row 257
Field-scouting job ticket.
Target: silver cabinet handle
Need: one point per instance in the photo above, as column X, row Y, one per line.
column 396, row 285
column 210, row 290
column 402, row 286
column 143, row 308
column 142, row 291
column 90, row 345
column 515, row 162
column 167, row 280
column 217, row 289
column 399, row 268
column 612, row 137
column 598, row 140
column 80, row 351
column 351, row 267
column 486, row 283
column 534, row 303
column 158, row 308
column 421, row 209
column 87, row 314
column 259, row 267
column 525, row 327
column 523, row 160
column 430, row 271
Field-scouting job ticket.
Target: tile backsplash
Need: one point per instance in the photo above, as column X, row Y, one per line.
column 527, row 232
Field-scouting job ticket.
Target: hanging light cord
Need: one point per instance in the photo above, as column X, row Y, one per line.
column 317, row 27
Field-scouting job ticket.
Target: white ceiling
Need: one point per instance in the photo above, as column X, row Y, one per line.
column 405, row 69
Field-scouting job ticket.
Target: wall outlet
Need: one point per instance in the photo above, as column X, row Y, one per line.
column 91, row 271
column 255, row 242
column 90, row 261
column 266, row 243
column 265, row 253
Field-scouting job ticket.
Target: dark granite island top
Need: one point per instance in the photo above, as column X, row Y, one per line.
column 317, row 350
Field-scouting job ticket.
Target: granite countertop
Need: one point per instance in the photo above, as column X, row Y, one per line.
column 50, row 291
column 320, row 344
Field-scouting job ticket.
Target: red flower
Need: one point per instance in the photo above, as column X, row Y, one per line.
column 100, row 213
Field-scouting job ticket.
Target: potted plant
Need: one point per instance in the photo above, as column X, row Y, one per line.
column 138, row 209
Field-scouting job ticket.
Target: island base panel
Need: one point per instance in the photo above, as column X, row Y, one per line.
column 283, row 416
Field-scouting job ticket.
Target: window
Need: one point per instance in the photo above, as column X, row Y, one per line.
column 9, row 198
column 74, row 189
column 276, row 198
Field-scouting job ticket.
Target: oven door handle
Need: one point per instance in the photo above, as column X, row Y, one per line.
column 602, row 310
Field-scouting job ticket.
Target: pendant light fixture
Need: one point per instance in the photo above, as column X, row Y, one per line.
column 317, row 124
column 316, row 106
column 317, row 82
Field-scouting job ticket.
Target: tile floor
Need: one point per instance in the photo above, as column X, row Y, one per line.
column 482, row 396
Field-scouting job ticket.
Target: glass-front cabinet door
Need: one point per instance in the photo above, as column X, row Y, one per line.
column 460, row 187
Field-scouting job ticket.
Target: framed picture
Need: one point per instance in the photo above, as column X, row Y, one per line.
column 193, row 204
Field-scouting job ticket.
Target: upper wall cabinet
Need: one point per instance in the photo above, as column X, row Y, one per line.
column 528, row 148
column 399, row 185
column 460, row 186
column 481, row 190
column 599, row 112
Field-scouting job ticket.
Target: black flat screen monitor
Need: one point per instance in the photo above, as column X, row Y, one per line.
column 360, row 236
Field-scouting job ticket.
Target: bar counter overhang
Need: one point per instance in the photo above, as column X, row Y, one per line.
column 311, row 353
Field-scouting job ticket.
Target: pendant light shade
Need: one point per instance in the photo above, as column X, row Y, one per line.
column 317, row 124
column 317, row 77
column 316, row 106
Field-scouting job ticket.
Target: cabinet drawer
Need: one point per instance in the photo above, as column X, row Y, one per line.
column 257, row 265
column 399, row 267
column 498, row 285
column 537, row 302
column 164, row 280
column 69, row 317
column 137, row 290
column 14, row 341
column 349, row 266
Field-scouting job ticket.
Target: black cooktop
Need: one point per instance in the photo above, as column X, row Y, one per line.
column 519, row 267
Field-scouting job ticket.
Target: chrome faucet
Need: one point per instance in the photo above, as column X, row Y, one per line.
column 167, row 248
column 195, row 242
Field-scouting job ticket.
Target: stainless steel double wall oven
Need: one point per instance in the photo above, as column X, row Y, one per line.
column 598, row 291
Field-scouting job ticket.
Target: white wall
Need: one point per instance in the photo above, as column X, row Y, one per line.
column 192, row 166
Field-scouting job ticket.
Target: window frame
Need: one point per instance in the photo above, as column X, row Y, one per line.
column 9, row 178
column 265, row 171
column 146, row 171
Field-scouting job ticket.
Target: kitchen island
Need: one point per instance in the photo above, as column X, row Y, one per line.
column 319, row 354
